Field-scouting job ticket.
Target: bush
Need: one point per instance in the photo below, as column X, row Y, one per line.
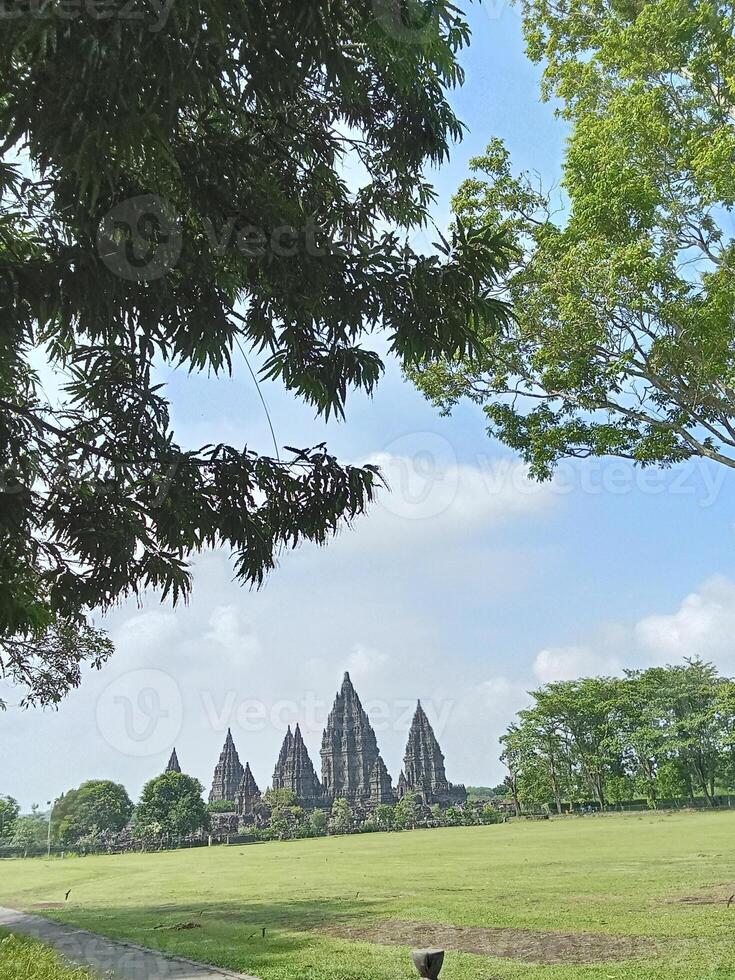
column 221, row 806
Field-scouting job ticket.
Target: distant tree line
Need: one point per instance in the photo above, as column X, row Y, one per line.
column 100, row 816
column 288, row 821
column 666, row 733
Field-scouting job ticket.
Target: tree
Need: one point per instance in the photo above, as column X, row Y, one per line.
column 342, row 816
column 385, row 816
column 98, row 806
column 624, row 339
column 279, row 797
column 318, row 822
column 9, row 811
column 30, row 831
column 221, row 806
column 407, row 811
column 184, row 204
column 665, row 731
column 171, row 805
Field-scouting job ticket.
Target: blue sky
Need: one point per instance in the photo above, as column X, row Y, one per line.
column 467, row 586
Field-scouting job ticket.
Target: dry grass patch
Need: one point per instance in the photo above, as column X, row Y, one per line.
column 527, row 945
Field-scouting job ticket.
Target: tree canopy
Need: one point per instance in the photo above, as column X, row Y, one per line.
column 172, row 194
column 623, row 341
column 98, row 806
column 664, row 732
column 9, row 811
column 171, row 805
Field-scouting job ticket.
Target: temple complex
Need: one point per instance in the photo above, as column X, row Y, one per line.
column 352, row 766
column 294, row 771
column 423, row 766
column 349, row 748
column 228, row 773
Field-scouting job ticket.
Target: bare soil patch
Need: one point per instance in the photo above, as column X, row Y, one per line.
column 719, row 897
column 48, row 905
column 528, row 945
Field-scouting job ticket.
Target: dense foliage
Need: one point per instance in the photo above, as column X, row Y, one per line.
column 662, row 733
column 624, row 341
column 30, row 832
column 172, row 193
column 9, row 811
column 98, row 807
column 170, row 806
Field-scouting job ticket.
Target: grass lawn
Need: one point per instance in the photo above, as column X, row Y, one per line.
column 663, row 880
column 22, row 959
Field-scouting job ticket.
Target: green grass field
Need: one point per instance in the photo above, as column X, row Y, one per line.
column 531, row 889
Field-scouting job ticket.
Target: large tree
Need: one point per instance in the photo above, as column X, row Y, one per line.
column 173, row 193
column 171, row 806
column 97, row 806
column 624, row 341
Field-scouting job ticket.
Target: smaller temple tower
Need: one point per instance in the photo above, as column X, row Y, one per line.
column 173, row 763
column 381, row 787
column 294, row 770
column 248, row 794
column 423, row 765
column 228, row 773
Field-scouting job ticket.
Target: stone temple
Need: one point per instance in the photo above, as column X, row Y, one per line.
column 349, row 748
column 294, row 771
column 423, row 766
column 352, row 767
column 228, row 773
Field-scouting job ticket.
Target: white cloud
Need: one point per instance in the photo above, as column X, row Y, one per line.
column 703, row 625
column 568, row 662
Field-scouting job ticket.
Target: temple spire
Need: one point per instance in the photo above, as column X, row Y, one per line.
column 228, row 773
column 294, row 770
column 423, row 765
column 349, row 747
column 248, row 793
column 173, row 763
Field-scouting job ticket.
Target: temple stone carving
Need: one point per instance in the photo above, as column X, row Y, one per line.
column 381, row 787
column 248, row 794
column 349, row 748
column 173, row 763
column 228, row 773
column 294, row 770
column 423, row 765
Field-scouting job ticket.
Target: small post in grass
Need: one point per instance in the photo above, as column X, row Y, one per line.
column 428, row 962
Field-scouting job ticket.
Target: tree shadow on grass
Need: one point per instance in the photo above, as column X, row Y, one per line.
column 246, row 935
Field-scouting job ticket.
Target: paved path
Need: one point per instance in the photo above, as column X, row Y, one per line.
column 108, row 958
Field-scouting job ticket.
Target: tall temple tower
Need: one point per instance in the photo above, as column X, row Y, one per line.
column 228, row 773
column 173, row 763
column 423, row 765
column 349, row 748
column 295, row 771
